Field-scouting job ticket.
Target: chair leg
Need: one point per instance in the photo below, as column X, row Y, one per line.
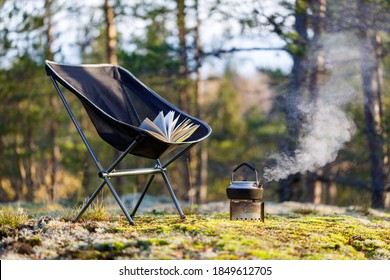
column 142, row 196
column 117, row 198
column 86, row 205
column 165, row 177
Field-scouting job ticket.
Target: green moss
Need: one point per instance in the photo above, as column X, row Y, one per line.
column 226, row 256
column 34, row 241
column 270, row 255
column 188, row 228
column 159, row 242
column 143, row 244
column 296, row 236
column 116, row 229
column 89, row 254
column 109, row 246
column 162, row 229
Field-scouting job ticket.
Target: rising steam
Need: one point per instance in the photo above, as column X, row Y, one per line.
column 327, row 127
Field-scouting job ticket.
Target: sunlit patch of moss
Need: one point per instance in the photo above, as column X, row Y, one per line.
column 157, row 229
column 215, row 236
column 249, row 241
column 199, row 245
column 229, row 244
column 227, row 256
column 270, row 254
column 164, row 229
column 310, row 220
column 219, row 216
column 116, row 229
column 159, row 242
column 186, row 228
column 338, row 238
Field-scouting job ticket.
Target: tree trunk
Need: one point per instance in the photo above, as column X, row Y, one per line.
column 317, row 63
column 183, row 70
column 373, row 121
column 30, row 168
column 316, row 79
column 53, row 127
column 202, row 154
column 111, row 57
column 378, row 48
column 189, row 159
column 373, row 105
column 294, row 96
column 111, row 38
column 21, row 188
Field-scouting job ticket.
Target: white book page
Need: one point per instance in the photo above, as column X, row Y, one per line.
column 147, row 124
column 160, row 122
column 166, row 129
column 184, row 133
column 170, row 122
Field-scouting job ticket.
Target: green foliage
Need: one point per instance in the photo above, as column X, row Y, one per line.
column 154, row 60
column 249, row 136
column 28, row 113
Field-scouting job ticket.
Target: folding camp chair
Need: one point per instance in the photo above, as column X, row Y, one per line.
column 117, row 102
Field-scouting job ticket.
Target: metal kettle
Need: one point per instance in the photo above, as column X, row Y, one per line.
column 246, row 189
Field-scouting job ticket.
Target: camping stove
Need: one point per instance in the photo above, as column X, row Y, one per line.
column 245, row 198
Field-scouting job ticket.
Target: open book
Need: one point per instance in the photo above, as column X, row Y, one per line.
column 167, row 129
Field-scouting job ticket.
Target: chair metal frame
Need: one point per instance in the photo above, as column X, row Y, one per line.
column 106, row 174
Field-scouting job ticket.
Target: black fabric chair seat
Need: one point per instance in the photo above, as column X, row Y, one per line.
column 117, row 103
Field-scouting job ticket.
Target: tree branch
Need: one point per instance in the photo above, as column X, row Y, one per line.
column 218, row 53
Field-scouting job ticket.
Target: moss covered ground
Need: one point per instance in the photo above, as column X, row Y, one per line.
column 292, row 235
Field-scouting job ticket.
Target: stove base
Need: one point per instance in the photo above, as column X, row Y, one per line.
column 247, row 210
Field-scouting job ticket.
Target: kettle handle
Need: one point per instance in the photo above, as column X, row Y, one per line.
column 247, row 165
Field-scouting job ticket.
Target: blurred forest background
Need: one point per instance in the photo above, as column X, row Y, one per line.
column 202, row 56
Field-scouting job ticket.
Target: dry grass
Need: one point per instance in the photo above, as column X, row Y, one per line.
column 97, row 211
column 12, row 217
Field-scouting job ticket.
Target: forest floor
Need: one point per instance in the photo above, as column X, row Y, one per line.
column 290, row 231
